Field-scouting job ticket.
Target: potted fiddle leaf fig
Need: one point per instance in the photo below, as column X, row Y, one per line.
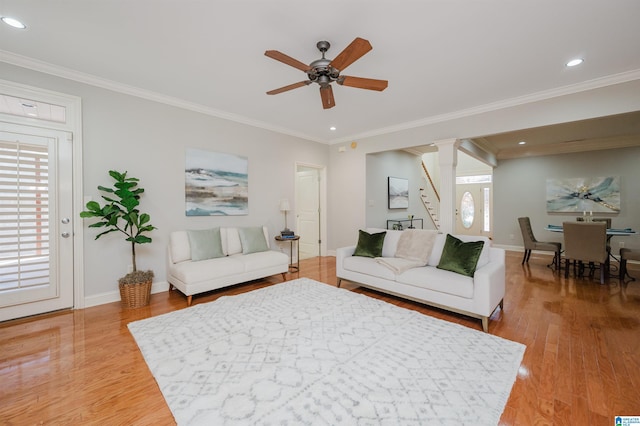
column 120, row 213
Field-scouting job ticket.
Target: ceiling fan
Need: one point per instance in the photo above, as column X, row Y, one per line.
column 325, row 71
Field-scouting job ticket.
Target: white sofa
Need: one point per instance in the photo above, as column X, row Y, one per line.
column 476, row 296
column 233, row 267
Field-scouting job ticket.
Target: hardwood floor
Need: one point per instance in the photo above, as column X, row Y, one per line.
column 581, row 366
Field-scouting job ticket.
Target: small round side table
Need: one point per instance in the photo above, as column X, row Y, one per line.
column 291, row 240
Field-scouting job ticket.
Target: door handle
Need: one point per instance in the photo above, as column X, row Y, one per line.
column 65, row 235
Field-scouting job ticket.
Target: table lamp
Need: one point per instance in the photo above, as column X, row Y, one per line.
column 284, row 207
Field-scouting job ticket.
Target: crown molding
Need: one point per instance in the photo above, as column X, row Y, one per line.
column 92, row 80
column 45, row 67
column 503, row 104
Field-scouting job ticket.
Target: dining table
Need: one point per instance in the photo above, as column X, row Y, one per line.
column 611, row 232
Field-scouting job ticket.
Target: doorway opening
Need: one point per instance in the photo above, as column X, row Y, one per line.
column 310, row 210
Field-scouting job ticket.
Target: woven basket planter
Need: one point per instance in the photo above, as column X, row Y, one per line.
column 135, row 295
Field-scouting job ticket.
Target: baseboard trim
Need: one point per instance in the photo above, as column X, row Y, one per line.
column 114, row 296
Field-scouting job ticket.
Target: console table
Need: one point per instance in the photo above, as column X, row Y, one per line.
column 402, row 222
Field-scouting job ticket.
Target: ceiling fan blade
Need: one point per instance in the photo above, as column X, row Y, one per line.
column 289, row 87
column 351, row 53
column 285, row 59
column 363, row 83
column 326, row 93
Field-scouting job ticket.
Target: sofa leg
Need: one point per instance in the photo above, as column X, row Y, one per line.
column 339, row 282
column 284, row 276
column 189, row 298
column 171, row 287
column 485, row 324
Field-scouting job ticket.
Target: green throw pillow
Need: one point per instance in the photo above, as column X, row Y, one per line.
column 252, row 240
column 205, row 244
column 370, row 245
column 460, row 257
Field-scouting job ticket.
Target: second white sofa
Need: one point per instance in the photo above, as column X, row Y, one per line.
column 196, row 265
column 477, row 296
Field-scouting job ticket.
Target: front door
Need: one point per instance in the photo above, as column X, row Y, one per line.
column 473, row 204
column 36, row 241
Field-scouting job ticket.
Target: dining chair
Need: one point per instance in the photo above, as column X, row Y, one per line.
column 627, row 254
column 586, row 242
column 530, row 243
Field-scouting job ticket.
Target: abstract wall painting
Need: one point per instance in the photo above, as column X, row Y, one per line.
column 216, row 184
column 398, row 193
column 578, row 195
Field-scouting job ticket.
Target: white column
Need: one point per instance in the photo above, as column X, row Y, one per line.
column 448, row 159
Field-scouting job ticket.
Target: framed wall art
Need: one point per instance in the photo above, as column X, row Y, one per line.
column 590, row 194
column 398, row 193
column 216, row 184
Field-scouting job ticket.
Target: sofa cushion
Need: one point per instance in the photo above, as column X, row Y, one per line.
column 179, row 246
column 391, row 239
column 438, row 280
column 205, row 244
column 194, row 272
column 369, row 245
column 261, row 260
column 368, row 266
column 231, row 241
column 252, row 239
column 460, row 257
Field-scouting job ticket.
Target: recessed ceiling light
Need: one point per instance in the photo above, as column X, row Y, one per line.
column 332, row 128
column 521, row 143
column 13, row 22
column 575, row 62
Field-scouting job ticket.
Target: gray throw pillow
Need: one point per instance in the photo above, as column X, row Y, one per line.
column 252, row 240
column 205, row 244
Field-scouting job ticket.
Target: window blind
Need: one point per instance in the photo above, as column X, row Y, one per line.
column 24, row 216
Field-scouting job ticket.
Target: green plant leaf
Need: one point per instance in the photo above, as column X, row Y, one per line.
column 117, row 175
column 119, row 212
column 144, row 218
column 105, row 189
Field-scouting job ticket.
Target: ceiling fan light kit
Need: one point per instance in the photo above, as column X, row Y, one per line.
column 324, row 71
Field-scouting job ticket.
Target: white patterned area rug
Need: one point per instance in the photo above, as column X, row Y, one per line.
column 307, row 353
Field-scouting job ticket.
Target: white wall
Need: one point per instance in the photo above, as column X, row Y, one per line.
column 347, row 179
column 149, row 140
column 399, row 164
column 520, row 190
column 120, row 129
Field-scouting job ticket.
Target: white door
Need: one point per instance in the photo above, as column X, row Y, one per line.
column 308, row 212
column 473, row 206
column 36, row 241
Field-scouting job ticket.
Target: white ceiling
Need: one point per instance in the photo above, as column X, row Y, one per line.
column 441, row 57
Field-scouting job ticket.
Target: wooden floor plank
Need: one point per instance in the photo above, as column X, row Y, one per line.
column 581, row 366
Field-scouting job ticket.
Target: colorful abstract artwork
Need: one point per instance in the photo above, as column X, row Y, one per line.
column 594, row 194
column 216, row 184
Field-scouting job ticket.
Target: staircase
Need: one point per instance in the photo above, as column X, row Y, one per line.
column 430, row 198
